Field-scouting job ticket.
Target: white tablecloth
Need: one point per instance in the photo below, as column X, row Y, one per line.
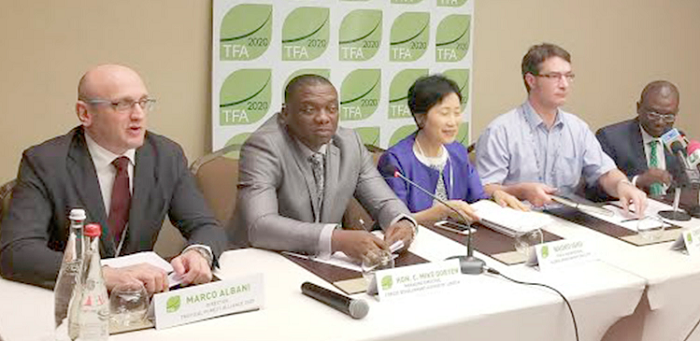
column 489, row 308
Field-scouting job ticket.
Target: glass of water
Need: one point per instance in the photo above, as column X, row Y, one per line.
column 524, row 242
column 128, row 304
column 651, row 227
column 373, row 263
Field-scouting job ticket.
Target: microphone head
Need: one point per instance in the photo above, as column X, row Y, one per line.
column 677, row 147
column 358, row 308
column 693, row 146
column 390, row 169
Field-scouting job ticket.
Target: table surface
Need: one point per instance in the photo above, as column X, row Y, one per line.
column 485, row 307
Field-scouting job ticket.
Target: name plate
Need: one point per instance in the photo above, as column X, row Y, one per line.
column 209, row 300
column 560, row 253
column 417, row 279
column 689, row 240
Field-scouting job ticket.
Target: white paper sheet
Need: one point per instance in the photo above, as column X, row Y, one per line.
column 513, row 220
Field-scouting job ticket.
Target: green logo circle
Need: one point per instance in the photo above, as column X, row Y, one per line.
column 173, row 304
column 369, row 135
column 305, row 33
column 245, row 97
column 245, row 32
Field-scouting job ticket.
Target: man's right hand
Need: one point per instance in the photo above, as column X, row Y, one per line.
column 537, row 194
column 358, row 244
column 653, row 175
column 154, row 279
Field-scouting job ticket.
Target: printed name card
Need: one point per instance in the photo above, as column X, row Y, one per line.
column 689, row 240
column 209, row 300
column 560, row 253
column 416, row 279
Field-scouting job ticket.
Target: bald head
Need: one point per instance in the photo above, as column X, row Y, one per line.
column 658, row 107
column 104, row 80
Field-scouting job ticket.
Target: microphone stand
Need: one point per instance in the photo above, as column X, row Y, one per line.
column 468, row 264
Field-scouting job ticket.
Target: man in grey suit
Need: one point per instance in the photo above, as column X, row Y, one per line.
column 81, row 170
column 631, row 143
column 297, row 174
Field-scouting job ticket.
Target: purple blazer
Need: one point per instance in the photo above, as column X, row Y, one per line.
column 461, row 179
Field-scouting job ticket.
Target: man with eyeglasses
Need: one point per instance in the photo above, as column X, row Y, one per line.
column 635, row 144
column 125, row 178
column 537, row 149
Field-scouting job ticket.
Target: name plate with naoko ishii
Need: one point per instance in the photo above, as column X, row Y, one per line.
column 560, row 253
column 417, row 279
column 209, row 300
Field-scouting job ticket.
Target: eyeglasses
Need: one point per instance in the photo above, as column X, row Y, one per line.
column 125, row 105
column 652, row 115
column 558, row 76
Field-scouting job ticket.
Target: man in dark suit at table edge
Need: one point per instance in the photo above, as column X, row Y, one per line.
column 109, row 159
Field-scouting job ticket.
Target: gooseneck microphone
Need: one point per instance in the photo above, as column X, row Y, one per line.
column 356, row 309
column 468, row 264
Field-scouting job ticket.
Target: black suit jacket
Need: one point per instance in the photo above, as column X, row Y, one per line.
column 59, row 175
column 623, row 143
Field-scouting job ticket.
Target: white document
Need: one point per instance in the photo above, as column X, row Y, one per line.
column 507, row 220
column 630, row 221
column 148, row 257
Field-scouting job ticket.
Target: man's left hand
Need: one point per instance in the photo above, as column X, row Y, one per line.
column 630, row 194
column 401, row 230
column 192, row 267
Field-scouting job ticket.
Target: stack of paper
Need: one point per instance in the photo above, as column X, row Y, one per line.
column 507, row 220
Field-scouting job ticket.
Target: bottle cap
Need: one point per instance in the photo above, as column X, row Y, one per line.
column 92, row 230
column 77, row 214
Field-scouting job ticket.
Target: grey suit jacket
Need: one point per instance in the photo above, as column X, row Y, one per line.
column 275, row 209
column 59, row 175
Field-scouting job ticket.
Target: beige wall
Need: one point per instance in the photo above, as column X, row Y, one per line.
column 617, row 46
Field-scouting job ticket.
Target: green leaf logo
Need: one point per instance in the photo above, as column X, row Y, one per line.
column 369, row 135
column 409, row 36
column 239, row 140
column 452, row 38
column 545, row 251
column 360, row 35
column 463, row 134
column 245, row 97
column 398, row 92
column 405, row 2
column 173, row 304
column 400, row 133
column 690, row 238
column 305, row 33
column 245, row 32
column 321, row 72
column 461, row 77
column 387, row 282
column 359, row 94
column 451, row 3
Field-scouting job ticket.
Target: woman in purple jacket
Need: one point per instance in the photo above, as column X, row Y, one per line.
column 433, row 159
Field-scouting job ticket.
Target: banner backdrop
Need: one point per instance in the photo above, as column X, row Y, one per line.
column 371, row 50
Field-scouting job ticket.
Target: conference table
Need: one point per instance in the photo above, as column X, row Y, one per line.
column 486, row 307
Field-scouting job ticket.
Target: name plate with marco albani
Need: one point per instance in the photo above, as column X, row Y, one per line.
column 209, row 300
column 417, row 279
column 689, row 240
column 560, row 253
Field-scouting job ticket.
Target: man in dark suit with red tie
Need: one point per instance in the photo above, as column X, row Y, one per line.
column 126, row 178
column 635, row 144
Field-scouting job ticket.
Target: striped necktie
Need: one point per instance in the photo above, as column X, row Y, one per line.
column 656, row 189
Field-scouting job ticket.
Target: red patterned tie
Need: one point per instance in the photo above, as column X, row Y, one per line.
column 121, row 198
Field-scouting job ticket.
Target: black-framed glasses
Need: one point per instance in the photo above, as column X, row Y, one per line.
column 124, row 105
column 557, row 76
column 653, row 115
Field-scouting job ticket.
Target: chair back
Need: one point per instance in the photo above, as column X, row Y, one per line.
column 5, row 196
column 355, row 216
column 217, row 178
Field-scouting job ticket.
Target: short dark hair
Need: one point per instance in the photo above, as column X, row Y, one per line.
column 537, row 54
column 303, row 80
column 668, row 89
column 429, row 91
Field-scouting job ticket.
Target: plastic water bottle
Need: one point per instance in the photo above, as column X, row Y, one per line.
column 94, row 302
column 69, row 275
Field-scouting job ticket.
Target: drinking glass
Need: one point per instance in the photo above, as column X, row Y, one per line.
column 525, row 241
column 372, row 263
column 651, row 227
column 128, row 304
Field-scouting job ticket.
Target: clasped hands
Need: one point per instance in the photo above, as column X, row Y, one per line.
column 191, row 266
column 363, row 245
